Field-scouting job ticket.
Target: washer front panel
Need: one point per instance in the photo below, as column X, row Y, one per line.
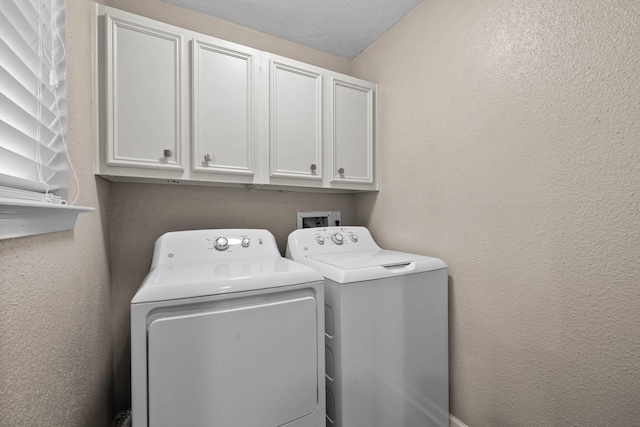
column 238, row 362
column 390, row 352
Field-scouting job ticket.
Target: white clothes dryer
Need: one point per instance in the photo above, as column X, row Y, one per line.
column 386, row 329
column 225, row 332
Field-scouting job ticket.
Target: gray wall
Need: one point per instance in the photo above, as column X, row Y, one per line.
column 522, row 120
column 55, row 313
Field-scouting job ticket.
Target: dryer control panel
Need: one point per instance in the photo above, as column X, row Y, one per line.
column 213, row 245
column 193, row 263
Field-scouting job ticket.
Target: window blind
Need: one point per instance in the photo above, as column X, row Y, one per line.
column 33, row 158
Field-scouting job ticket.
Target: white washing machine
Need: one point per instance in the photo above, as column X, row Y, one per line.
column 386, row 329
column 225, row 332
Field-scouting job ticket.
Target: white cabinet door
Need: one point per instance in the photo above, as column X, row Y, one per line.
column 144, row 91
column 295, row 121
column 225, row 111
column 350, row 134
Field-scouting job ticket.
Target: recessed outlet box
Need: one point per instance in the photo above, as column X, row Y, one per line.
column 318, row 219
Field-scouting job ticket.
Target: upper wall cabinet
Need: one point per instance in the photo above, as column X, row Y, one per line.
column 295, row 122
column 321, row 127
column 180, row 106
column 225, row 111
column 350, row 133
column 145, row 97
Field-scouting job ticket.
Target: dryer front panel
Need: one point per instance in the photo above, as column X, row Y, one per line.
column 242, row 362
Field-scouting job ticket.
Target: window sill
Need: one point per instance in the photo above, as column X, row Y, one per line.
column 20, row 218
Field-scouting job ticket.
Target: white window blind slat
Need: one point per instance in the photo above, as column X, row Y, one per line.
column 26, row 121
column 23, row 98
column 24, row 184
column 32, row 11
column 27, row 49
column 12, row 84
column 12, row 139
column 25, row 74
column 13, row 164
column 25, row 195
column 32, row 97
column 28, row 8
column 21, row 34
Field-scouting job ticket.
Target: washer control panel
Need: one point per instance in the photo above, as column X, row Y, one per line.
column 330, row 240
column 336, row 235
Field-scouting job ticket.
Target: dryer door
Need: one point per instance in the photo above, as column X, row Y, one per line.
column 242, row 362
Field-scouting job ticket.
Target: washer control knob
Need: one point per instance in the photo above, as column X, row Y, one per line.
column 353, row 237
column 246, row 242
column 337, row 239
column 320, row 240
column 222, row 244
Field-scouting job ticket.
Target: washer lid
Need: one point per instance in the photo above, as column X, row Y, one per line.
column 357, row 266
column 189, row 280
column 365, row 259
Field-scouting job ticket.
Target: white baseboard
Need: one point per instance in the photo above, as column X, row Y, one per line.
column 454, row 422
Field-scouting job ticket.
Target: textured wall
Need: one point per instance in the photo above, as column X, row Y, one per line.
column 510, row 148
column 143, row 212
column 55, row 359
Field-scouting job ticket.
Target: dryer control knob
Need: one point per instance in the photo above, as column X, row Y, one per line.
column 245, row 242
column 222, row 244
column 353, row 237
column 337, row 239
column 320, row 240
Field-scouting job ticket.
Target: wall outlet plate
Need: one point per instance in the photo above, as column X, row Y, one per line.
column 336, row 219
column 317, row 219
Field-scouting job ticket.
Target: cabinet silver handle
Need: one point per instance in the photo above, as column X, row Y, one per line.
column 341, row 171
column 168, row 153
column 207, row 157
column 313, row 167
